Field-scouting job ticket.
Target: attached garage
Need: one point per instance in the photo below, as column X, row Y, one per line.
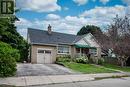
column 44, row 56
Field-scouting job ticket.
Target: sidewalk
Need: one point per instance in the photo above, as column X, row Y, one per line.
column 42, row 80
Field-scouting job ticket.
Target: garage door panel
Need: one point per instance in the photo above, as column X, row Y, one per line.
column 48, row 58
column 44, row 56
column 40, row 58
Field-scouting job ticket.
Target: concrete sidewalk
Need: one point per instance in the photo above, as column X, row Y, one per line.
column 41, row 80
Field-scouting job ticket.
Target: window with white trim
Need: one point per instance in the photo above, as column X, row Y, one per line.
column 63, row 49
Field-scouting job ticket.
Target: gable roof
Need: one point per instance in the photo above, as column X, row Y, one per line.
column 42, row 37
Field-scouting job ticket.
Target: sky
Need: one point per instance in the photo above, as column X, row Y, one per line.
column 68, row 16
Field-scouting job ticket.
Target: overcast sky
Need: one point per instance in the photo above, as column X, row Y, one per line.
column 67, row 16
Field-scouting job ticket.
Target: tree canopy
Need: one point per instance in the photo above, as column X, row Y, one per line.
column 89, row 29
column 11, row 36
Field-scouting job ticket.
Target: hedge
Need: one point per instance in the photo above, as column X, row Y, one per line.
column 8, row 58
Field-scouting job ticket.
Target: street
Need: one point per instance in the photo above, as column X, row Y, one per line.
column 113, row 82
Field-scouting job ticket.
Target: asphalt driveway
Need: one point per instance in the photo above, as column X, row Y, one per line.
column 42, row 69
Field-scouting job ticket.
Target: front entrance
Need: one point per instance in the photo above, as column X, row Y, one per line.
column 82, row 51
column 44, row 56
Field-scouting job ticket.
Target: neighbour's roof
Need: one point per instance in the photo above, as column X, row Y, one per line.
column 42, row 37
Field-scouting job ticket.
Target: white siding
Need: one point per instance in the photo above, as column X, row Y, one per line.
column 90, row 39
column 82, row 42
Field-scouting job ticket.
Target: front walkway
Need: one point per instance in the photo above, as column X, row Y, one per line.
column 42, row 80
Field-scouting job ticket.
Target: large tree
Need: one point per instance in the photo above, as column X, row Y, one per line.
column 89, row 29
column 119, row 38
column 11, row 36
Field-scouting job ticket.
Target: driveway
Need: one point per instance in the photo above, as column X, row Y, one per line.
column 42, row 69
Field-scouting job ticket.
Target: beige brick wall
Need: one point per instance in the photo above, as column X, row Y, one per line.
column 98, row 52
column 54, row 52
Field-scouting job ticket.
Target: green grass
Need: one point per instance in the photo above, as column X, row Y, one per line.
column 86, row 68
column 125, row 69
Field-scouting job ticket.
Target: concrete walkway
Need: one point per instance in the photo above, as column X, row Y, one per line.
column 42, row 80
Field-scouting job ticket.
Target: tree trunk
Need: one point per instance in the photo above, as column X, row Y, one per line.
column 122, row 63
column 122, row 60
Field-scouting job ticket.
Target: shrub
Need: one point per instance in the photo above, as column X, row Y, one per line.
column 93, row 60
column 82, row 59
column 101, row 61
column 64, row 58
column 8, row 57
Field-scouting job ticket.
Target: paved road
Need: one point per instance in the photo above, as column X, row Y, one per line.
column 42, row 69
column 118, row 82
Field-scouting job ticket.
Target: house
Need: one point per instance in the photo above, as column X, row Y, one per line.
column 45, row 46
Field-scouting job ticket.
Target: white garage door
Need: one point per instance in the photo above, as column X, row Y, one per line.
column 44, row 56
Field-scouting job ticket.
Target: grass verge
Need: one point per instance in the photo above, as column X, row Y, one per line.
column 125, row 69
column 86, row 68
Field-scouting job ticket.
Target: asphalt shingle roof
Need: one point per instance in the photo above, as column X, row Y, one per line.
column 42, row 37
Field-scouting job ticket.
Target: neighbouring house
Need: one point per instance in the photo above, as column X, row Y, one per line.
column 45, row 46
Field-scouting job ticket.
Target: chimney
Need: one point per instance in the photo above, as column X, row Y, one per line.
column 49, row 29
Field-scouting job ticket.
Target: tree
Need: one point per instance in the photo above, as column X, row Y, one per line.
column 119, row 36
column 11, row 36
column 8, row 57
column 89, row 29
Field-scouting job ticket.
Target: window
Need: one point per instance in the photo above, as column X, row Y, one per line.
column 63, row 49
column 40, row 51
column 47, row 51
column 93, row 51
column 44, row 51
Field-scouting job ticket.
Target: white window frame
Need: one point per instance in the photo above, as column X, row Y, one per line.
column 63, row 45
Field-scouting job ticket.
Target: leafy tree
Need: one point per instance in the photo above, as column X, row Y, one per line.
column 8, row 57
column 11, row 36
column 89, row 29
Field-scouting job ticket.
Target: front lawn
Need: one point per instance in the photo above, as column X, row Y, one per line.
column 86, row 68
column 125, row 69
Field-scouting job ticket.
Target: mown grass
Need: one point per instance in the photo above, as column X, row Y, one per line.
column 125, row 69
column 86, row 68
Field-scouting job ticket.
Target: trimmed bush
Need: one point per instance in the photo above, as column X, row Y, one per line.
column 82, row 59
column 64, row 58
column 101, row 61
column 93, row 60
column 8, row 58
